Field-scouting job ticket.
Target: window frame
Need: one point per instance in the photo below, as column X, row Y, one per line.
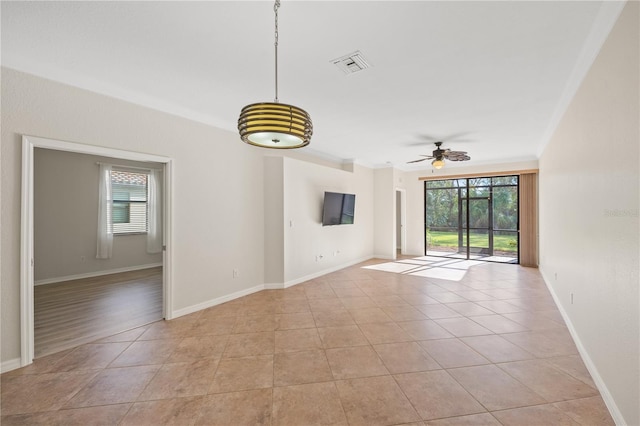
column 115, row 225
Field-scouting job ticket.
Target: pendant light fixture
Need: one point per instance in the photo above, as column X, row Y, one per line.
column 272, row 124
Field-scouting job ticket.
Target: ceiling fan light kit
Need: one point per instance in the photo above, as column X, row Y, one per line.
column 272, row 124
column 438, row 163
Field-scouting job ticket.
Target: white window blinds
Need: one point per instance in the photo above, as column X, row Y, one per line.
column 129, row 202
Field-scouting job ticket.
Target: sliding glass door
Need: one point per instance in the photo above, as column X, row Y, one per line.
column 472, row 218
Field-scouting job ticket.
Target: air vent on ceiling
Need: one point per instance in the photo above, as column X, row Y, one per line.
column 351, row 63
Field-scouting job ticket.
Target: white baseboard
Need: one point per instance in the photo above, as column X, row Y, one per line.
column 295, row 281
column 96, row 274
column 268, row 286
column 379, row 256
column 9, row 365
column 595, row 375
column 273, row 286
column 217, row 301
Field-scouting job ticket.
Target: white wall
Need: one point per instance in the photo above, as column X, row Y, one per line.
column 589, row 229
column 385, row 213
column 221, row 219
column 304, row 236
column 218, row 219
column 398, row 220
column 66, row 219
column 273, row 220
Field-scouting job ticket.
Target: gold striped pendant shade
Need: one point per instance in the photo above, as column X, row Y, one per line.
column 275, row 125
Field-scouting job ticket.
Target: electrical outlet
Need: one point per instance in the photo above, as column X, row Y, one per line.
column 235, row 273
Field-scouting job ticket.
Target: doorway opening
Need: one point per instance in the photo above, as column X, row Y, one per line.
column 473, row 218
column 400, row 236
column 27, row 255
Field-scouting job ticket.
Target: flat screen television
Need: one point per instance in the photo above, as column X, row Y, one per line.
column 338, row 208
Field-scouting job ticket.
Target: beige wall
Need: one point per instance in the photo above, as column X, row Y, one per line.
column 66, row 219
column 218, row 199
column 297, row 246
column 398, row 220
column 273, row 220
column 589, row 229
column 304, row 236
column 384, row 217
column 224, row 216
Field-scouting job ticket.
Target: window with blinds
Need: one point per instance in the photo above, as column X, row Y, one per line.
column 129, row 202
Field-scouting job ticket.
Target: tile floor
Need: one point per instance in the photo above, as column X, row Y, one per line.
column 360, row 346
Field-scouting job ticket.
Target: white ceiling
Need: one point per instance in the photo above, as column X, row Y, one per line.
column 491, row 78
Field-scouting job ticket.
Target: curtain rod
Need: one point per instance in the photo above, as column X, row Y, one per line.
column 486, row 174
column 128, row 167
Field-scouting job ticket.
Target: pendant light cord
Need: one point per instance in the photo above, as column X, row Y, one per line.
column 275, row 9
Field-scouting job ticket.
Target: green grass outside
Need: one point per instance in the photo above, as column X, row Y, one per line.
column 450, row 239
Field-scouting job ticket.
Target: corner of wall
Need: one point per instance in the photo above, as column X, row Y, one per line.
column 217, row 301
column 11, row 364
column 584, row 354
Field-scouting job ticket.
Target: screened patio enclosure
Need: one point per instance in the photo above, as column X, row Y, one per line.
column 473, row 218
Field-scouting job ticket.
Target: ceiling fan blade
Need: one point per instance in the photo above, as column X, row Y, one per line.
column 441, row 153
column 459, row 158
column 417, row 161
column 454, row 154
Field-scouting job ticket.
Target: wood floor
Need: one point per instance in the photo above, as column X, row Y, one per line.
column 72, row 313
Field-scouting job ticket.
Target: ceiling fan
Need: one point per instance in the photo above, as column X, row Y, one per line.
column 439, row 155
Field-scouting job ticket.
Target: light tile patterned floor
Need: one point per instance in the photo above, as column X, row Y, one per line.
column 372, row 344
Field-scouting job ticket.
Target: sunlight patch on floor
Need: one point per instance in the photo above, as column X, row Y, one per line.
column 397, row 267
column 429, row 267
column 441, row 273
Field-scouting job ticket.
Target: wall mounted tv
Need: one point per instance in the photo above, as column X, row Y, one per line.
column 338, row 208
